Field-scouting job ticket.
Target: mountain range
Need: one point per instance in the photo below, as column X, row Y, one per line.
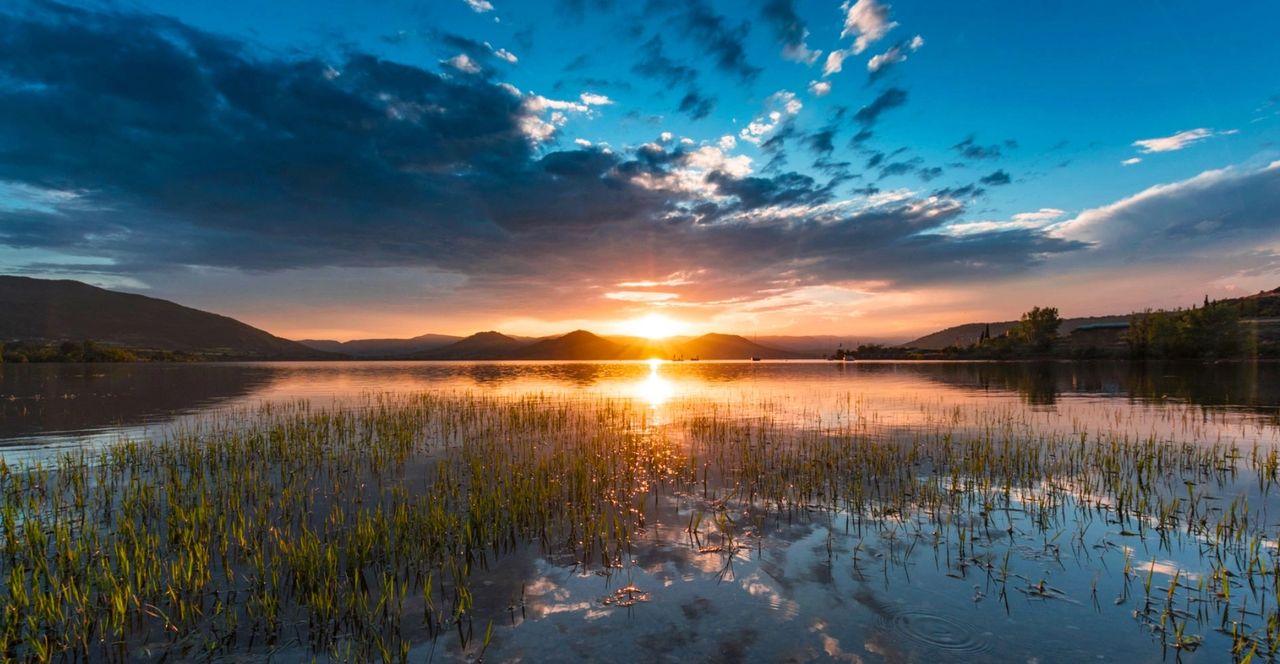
column 42, row 311
column 50, row 311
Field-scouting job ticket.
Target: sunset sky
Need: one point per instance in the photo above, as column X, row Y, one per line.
column 342, row 170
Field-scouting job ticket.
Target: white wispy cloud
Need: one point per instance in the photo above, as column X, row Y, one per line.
column 801, row 52
column 868, row 20
column 1179, row 140
column 835, row 62
column 463, row 63
column 1131, row 161
column 479, row 6
column 778, row 105
column 895, row 54
column 1043, row 214
column 819, row 88
column 592, row 99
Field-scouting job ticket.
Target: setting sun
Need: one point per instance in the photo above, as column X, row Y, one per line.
column 653, row 326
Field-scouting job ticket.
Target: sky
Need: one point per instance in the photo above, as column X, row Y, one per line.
column 388, row 168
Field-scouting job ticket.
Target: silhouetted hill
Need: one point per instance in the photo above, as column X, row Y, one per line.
column 479, row 346
column 576, row 345
column 383, row 348
column 963, row 335
column 43, row 310
column 731, row 347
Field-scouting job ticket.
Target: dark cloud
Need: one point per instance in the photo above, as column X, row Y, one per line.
column 653, row 63
column 900, row 167
column 930, row 173
column 822, row 141
column 969, row 149
column 696, row 105
column 712, row 33
column 163, row 147
column 996, row 178
column 788, row 27
column 960, row 193
column 890, row 98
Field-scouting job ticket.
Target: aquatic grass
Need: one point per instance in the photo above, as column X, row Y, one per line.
column 354, row 532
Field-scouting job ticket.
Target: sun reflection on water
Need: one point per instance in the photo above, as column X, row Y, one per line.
column 654, row 389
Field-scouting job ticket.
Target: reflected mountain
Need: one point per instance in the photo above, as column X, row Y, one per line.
column 46, row 398
column 1253, row 385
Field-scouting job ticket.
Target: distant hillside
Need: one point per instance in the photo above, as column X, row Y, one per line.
column 963, row 335
column 731, row 347
column 706, row 347
column 382, row 348
column 1261, row 307
column 479, row 346
column 43, row 310
column 576, row 345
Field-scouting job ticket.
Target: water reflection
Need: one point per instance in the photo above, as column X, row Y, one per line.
column 56, row 404
column 654, row 389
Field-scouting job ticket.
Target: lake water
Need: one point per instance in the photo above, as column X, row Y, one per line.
column 816, row 584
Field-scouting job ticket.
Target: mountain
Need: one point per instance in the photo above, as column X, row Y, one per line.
column 383, row 348
column 576, row 345
column 45, row 311
column 479, row 346
column 963, row 335
column 731, row 347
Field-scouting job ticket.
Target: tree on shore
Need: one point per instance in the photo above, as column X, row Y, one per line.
column 1038, row 327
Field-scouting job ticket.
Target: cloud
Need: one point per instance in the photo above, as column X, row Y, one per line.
column 696, row 105
column 789, row 30
column 879, row 64
column 835, row 62
column 1179, row 140
column 1230, row 207
column 996, row 178
column 868, row 21
column 890, row 98
column 1041, row 215
column 215, row 155
column 654, row 64
column 479, row 6
column 592, row 99
column 463, row 63
column 1131, row 161
column 710, row 32
column 778, row 106
column 969, row 149
column 641, row 296
column 819, row 88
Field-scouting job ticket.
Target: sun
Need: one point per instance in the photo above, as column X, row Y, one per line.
column 653, row 326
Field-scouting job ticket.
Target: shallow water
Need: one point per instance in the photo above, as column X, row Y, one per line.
column 1011, row 582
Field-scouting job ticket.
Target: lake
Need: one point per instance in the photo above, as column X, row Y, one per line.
column 762, row 511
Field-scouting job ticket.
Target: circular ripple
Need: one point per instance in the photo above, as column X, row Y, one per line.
column 939, row 632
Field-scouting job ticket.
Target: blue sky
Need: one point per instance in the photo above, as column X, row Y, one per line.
column 349, row 169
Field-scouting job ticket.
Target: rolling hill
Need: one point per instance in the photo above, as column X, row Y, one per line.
column 479, row 346
column 383, row 348
column 49, row 311
column 968, row 333
column 576, row 345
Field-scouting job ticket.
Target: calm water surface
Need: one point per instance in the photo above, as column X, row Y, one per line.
column 824, row 586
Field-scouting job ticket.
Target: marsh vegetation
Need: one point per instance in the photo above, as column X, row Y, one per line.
column 465, row 524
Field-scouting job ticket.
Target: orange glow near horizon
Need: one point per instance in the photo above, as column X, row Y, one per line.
column 653, row 326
